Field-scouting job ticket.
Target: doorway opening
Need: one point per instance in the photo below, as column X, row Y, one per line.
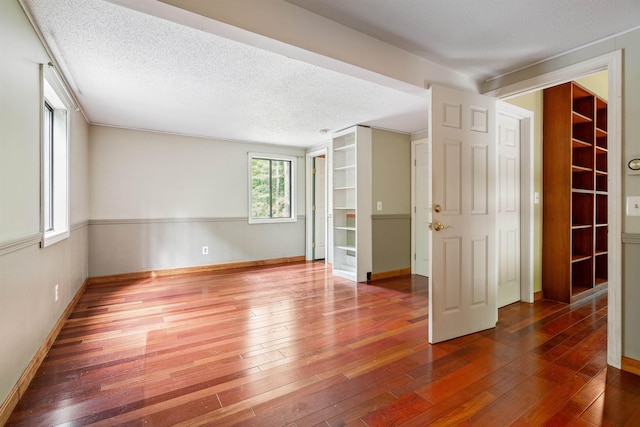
column 316, row 211
column 612, row 64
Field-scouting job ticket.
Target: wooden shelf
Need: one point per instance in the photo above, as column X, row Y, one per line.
column 579, row 118
column 576, row 143
column 580, row 226
column 575, row 168
column 575, row 173
column 579, row 258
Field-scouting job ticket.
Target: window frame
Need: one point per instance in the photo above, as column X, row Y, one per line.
column 54, row 158
column 292, row 176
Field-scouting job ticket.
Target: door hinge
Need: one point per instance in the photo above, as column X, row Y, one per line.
column 415, row 209
column 313, row 245
column 313, row 208
column 313, row 170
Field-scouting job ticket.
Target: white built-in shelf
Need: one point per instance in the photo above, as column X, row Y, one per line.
column 346, row 248
column 345, row 147
column 352, row 203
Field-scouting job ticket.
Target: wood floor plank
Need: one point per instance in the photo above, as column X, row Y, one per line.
column 291, row 345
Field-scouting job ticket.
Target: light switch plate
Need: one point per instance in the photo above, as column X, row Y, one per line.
column 633, row 206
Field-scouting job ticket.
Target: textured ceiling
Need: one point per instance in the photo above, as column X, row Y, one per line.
column 135, row 70
column 483, row 38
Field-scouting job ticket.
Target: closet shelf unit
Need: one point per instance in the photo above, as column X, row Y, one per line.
column 575, row 198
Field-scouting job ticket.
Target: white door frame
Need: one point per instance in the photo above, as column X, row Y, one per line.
column 413, row 200
column 526, row 195
column 611, row 62
column 309, row 203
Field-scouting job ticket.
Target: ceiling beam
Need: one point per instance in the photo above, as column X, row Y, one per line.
column 283, row 28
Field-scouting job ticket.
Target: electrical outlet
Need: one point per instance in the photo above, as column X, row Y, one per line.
column 57, row 291
column 205, row 250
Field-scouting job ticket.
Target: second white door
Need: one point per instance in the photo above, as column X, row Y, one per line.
column 508, row 209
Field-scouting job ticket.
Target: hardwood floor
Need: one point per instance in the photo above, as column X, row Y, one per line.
column 294, row 346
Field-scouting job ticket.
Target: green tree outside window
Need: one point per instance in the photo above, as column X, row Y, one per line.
column 271, row 188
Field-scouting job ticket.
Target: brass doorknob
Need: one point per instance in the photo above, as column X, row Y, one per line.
column 437, row 226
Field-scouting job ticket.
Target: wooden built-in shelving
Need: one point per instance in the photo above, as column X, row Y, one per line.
column 575, row 198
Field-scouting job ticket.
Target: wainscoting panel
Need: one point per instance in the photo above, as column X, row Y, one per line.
column 129, row 246
column 391, row 242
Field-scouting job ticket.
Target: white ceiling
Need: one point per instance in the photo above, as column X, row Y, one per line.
column 136, row 70
column 483, row 38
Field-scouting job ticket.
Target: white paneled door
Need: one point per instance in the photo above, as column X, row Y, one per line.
column 463, row 284
column 508, row 209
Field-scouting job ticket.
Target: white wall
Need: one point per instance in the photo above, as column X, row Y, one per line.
column 391, row 185
column 156, row 199
column 28, row 274
column 136, row 174
column 391, row 180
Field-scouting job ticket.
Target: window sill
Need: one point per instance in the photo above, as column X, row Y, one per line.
column 271, row 221
column 51, row 238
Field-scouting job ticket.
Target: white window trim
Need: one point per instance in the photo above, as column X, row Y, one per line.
column 294, row 167
column 54, row 92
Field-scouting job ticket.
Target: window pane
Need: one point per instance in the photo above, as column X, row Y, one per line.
column 260, row 191
column 271, row 189
column 281, row 188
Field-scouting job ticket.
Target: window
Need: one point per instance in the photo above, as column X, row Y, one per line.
column 271, row 196
column 55, row 159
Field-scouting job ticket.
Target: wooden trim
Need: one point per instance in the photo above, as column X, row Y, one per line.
column 9, row 404
column 631, row 365
column 187, row 270
column 389, row 274
column 537, row 296
column 18, row 390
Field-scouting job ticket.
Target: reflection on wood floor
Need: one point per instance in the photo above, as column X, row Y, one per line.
column 291, row 345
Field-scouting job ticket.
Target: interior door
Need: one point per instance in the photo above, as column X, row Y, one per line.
column 463, row 283
column 508, row 209
column 320, row 216
column 422, row 187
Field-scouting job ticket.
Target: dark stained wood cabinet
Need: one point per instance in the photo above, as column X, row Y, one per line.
column 574, row 238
